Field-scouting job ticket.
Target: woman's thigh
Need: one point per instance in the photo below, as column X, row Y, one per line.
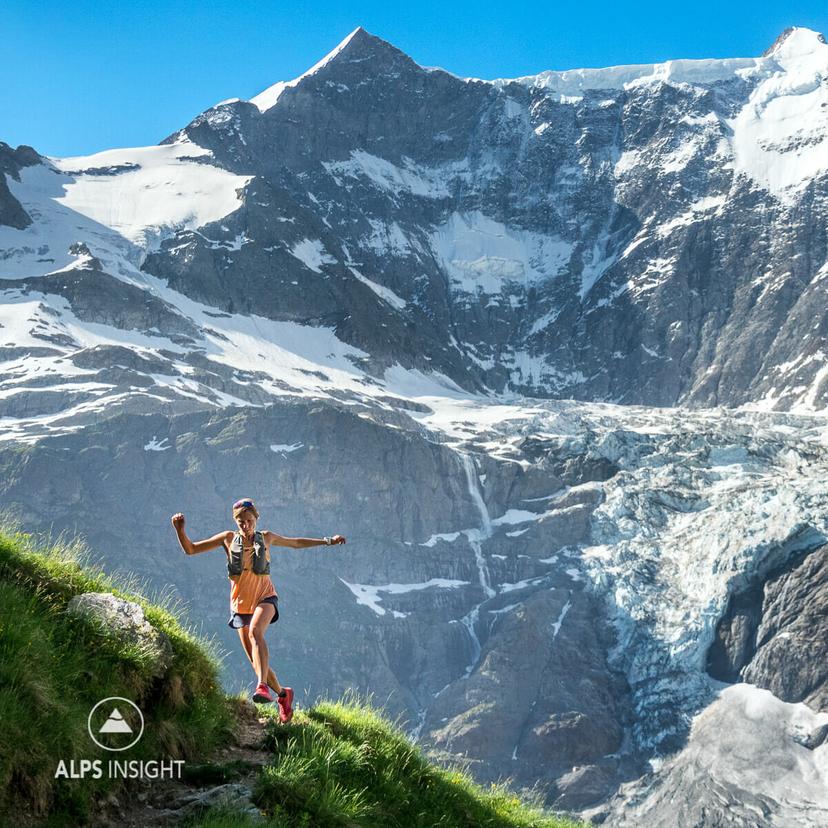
column 262, row 616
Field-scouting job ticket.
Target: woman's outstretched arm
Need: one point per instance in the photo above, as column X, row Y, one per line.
column 297, row 543
column 193, row 548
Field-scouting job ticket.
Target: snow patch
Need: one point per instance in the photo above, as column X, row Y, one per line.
column 159, row 190
column 156, row 445
column 368, row 595
column 386, row 294
column 312, row 254
column 481, row 254
column 411, row 178
column 284, row 448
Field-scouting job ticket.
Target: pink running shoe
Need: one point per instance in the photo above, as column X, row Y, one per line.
column 285, row 699
column 262, row 694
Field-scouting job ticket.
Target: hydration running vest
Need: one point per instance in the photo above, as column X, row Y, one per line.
column 261, row 565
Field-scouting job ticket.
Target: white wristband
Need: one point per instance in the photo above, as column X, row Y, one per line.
column 327, row 541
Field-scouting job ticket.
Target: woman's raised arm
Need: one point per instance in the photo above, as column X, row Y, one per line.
column 193, row 548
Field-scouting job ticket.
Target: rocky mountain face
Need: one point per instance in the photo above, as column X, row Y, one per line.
column 445, row 318
column 774, row 634
column 654, row 235
column 12, row 161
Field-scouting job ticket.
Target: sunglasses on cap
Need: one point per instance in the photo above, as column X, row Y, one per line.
column 243, row 504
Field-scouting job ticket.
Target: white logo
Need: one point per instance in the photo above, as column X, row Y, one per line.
column 115, row 731
column 115, row 723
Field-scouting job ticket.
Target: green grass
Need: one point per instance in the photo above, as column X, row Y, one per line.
column 54, row 667
column 222, row 817
column 338, row 764
column 344, row 763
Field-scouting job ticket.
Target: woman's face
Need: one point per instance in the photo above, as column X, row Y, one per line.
column 246, row 521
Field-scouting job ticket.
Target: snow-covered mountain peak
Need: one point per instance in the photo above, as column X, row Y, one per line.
column 357, row 46
column 264, row 100
column 780, row 138
column 798, row 41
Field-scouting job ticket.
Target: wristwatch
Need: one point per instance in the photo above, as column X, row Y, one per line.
column 327, row 541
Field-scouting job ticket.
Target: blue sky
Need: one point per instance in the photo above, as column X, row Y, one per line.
column 81, row 77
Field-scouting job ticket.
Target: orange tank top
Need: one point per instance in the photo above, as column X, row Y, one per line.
column 249, row 588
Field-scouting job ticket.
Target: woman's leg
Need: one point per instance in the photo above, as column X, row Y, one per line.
column 272, row 681
column 262, row 616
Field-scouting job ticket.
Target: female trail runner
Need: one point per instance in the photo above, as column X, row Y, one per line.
column 254, row 602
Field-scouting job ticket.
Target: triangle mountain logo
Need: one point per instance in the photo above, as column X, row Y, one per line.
column 115, row 723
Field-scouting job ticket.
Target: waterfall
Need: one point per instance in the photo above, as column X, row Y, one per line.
column 474, row 490
column 476, row 538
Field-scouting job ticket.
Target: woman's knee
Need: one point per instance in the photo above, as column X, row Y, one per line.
column 257, row 636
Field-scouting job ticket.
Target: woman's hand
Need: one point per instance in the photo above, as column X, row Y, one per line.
column 178, row 521
column 337, row 539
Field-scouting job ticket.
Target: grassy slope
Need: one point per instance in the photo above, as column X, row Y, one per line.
column 344, row 763
column 55, row 667
column 336, row 764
